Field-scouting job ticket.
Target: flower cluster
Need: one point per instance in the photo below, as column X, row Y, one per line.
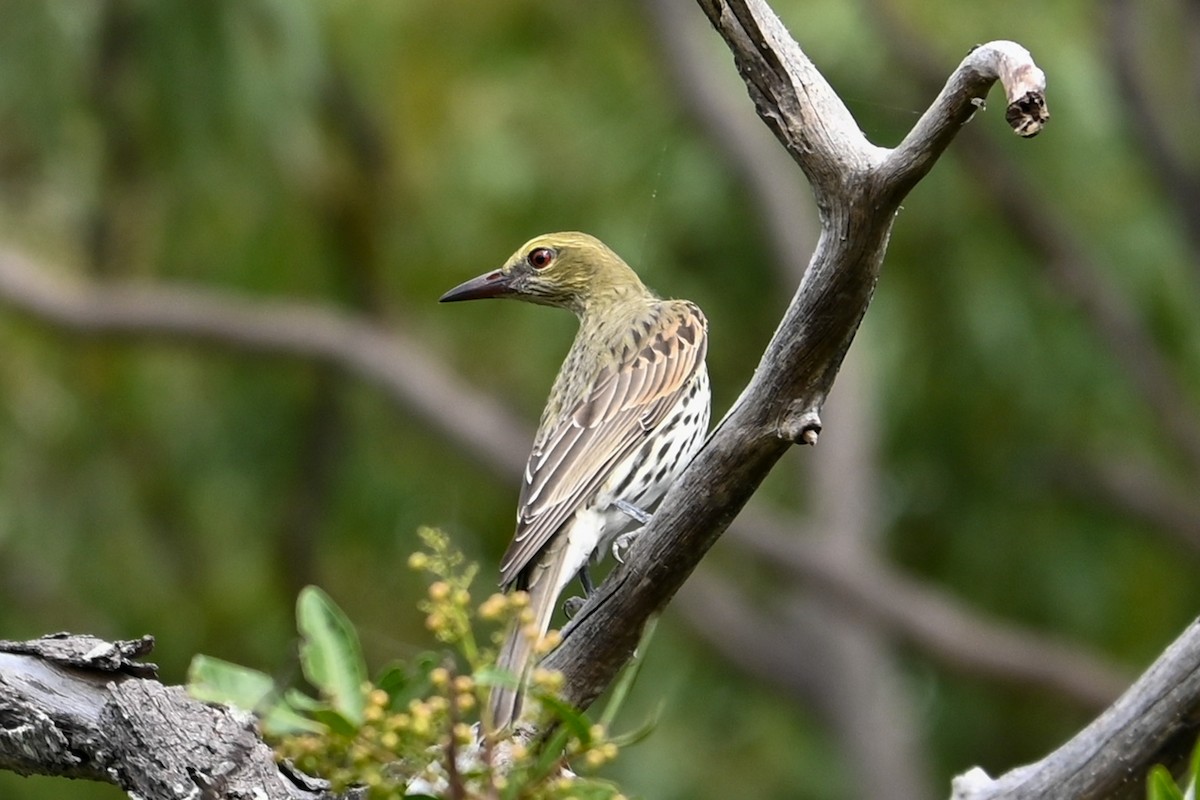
column 420, row 729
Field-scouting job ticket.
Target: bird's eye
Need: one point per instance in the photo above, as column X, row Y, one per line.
column 540, row 257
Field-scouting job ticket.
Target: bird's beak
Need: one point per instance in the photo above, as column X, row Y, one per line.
column 491, row 284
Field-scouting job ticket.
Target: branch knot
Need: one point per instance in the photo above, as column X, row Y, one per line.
column 801, row 424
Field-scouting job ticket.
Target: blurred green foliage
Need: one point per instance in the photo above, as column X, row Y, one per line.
column 370, row 155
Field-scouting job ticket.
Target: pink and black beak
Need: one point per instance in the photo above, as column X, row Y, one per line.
column 491, row 284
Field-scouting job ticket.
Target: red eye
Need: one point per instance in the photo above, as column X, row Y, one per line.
column 540, row 258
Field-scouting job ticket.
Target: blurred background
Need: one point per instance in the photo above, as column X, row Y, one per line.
column 224, row 374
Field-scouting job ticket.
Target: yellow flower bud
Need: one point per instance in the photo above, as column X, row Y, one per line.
column 547, row 680
column 551, row 640
column 493, row 607
column 439, row 676
column 418, row 561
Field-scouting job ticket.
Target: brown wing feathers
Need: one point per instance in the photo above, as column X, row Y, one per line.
column 626, row 402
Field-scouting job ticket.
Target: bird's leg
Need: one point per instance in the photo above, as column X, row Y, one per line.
column 572, row 605
column 621, row 544
column 633, row 511
column 585, row 580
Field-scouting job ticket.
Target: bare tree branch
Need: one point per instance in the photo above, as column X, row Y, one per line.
column 958, row 101
column 1155, row 721
column 848, row 671
column 783, row 401
column 80, row 707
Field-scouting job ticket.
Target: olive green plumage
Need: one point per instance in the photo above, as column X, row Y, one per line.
column 628, row 410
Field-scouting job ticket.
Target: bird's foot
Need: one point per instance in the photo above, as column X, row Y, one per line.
column 622, row 543
column 572, row 605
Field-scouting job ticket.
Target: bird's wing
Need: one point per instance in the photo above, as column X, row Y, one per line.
column 572, row 459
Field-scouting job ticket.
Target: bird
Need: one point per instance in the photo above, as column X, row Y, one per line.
column 628, row 410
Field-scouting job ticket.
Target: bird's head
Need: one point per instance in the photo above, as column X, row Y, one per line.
column 569, row 270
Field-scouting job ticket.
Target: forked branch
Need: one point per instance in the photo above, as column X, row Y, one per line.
column 858, row 187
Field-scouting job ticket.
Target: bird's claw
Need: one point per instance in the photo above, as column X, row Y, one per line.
column 621, row 545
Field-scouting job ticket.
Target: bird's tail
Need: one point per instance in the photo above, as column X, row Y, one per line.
column 517, row 653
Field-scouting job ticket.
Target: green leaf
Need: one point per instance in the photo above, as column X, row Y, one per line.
column 1193, row 772
column 406, row 681
column 576, row 721
column 302, row 702
column 216, row 681
column 550, row 754
column 1161, row 786
column 282, row 720
column 330, row 653
column 336, row 721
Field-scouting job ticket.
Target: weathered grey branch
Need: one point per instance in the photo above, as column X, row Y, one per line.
column 857, row 203
column 1155, row 722
column 80, row 707
column 962, row 96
